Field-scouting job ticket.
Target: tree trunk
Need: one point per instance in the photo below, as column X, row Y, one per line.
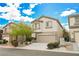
column 16, row 38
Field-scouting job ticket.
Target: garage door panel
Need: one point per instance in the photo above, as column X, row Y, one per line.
column 77, row 37
column 46, row 38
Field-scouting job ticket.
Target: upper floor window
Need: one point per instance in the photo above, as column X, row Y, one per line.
column 48, row 24
column 36, row 26
column 77, row 20
column 33, row 26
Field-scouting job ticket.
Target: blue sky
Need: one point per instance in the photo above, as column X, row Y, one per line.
column 27, row 12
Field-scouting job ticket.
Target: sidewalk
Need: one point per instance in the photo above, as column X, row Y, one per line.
column 6, row 46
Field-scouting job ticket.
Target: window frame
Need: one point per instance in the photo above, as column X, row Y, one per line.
column 36, row 26
column 76, row 21
column 49, row 24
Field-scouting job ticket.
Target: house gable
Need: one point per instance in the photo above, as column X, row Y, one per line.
column 6, row 28
column 8, row 24
column 73, row 21
column 46, row 18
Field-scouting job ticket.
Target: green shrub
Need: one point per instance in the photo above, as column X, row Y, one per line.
column 3, row 41
column 67, row 39
column 53, row 45
column 29, row 39
column 14, row 43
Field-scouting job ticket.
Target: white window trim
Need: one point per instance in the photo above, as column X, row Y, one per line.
column 49, row 24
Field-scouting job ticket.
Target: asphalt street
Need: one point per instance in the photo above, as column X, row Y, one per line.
column 26, row 52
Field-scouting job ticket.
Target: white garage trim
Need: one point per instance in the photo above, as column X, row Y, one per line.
column 46, row 38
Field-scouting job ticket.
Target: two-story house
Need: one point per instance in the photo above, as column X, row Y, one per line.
column 47, row 29
column 6, row 30
column 74, row 27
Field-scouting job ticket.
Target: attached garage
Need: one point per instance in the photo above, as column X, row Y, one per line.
column 46, row 38
column 76, row 36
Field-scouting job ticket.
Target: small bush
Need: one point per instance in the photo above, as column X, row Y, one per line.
column 53, row 45
column 67, row 39
column 3, row 41
column 14, row 43
column 29, row 39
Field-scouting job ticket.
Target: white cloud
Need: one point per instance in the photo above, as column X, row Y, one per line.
column 26, row 19
column 4, row 9
column 14, row 14
column 13, row 9
column 33, row 5
column 67, row 12
column 11, row 14
column 6, row 16
column 28, row 12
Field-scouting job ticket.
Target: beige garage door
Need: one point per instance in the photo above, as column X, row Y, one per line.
column 77, row 37
column 46, row 38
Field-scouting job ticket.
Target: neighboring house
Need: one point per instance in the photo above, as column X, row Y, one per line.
column 6, row 30
column 74, row 27
column 47, row 29
column 6, row 34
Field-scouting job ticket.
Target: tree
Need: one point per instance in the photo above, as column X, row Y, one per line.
column 66, row 35
column 14, row 34
column 14, row 31
column 23, row 30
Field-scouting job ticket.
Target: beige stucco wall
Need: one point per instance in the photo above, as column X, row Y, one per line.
column 48, row 34
column 6, row 32
column 72, row 33
column 43, row 25
column 8, row 28
column 59, row 30
column 72, row 21
column 55, row 26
